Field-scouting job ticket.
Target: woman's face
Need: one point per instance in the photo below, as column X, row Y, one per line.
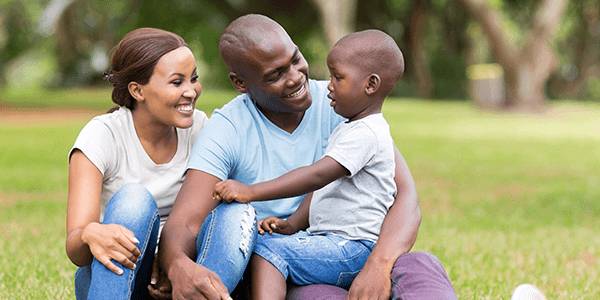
column 170, row 95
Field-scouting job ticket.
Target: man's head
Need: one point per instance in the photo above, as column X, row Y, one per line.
column 364, row 66
column 264, row 62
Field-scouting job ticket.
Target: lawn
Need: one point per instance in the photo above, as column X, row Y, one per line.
column 506, row 198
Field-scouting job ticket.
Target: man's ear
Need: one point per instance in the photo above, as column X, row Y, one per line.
column 135, row 89
column 373, row 84
column 238, row 83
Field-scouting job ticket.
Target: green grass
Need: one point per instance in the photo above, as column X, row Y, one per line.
column 506, row 198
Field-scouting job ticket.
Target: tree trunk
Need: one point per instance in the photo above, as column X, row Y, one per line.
column 337, row 17
column 420, row 60
column 526, row 70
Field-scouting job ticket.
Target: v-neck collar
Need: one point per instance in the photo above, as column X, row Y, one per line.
column 140, row 148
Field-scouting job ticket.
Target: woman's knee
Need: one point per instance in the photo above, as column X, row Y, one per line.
column 132, row 198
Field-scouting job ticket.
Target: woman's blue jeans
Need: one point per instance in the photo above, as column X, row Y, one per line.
column 133, row 207
column 224, row 245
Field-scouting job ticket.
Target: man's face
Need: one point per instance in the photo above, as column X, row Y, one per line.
column 277, row 75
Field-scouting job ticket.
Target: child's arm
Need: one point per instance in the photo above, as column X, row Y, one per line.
column 297, row 182
column 296, row 222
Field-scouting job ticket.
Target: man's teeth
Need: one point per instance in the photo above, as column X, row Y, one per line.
column 300, row 91
column 185, row 108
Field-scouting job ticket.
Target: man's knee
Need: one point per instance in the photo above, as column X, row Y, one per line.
column 421, row 275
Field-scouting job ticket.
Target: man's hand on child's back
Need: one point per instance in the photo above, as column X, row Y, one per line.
column 275, row 225
column 231, row 190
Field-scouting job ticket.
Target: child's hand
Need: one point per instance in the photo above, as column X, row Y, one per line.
column 231, row 190
column 273, row 224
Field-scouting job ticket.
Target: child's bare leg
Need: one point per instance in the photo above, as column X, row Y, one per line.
column 266, row 280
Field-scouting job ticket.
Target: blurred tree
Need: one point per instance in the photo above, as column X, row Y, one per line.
column 578, row 45
column 526, row 69
column 337, row 18
column 17, row 31
column 88, row 27
column 437, row 37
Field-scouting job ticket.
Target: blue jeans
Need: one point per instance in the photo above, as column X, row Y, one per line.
column 226, row 240
column 308, row 259
column 133, row 207
column 224, row 245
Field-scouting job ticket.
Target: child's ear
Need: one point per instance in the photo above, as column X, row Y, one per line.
column 135, row 89
column 238, row 83
column 373, row 83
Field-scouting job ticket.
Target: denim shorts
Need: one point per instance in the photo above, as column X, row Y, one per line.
column 315, row 259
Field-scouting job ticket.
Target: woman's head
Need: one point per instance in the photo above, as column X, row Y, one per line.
column 135, row 58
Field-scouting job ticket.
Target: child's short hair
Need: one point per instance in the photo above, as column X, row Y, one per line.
column 374, row 51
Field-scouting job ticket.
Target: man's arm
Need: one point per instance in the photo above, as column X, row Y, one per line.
column 294, row 183
column 397, row 236
column 177, row 248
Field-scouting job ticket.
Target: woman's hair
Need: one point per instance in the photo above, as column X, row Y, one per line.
column 135, row 58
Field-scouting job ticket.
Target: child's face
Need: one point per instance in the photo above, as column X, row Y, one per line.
column 347, row 86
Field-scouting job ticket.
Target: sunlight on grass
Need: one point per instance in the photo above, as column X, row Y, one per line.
column 506, row 198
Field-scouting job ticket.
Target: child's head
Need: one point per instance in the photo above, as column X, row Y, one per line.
column 364, row 66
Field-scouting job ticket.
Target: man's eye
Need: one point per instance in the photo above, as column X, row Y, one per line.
column 275, row 78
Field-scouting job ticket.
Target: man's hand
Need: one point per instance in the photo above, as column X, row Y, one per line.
column 277, row 225
column 373, row 282
column 231, row 190
column 193, row 281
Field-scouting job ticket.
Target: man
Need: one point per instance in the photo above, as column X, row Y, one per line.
column 281, row 122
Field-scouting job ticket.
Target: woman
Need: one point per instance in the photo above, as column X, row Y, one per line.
column 126, row 166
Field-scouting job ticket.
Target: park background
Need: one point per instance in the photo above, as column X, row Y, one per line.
column 497, row 116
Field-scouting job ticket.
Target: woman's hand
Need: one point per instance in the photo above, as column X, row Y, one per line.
column 109, row 242
column 231, row 190
column 273, row 224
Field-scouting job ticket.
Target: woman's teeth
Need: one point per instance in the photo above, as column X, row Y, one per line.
column 185, row 108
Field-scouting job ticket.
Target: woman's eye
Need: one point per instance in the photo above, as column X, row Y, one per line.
column 176, row 82
column 194, row 78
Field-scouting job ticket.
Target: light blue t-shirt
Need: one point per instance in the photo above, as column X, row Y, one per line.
column 238, row 142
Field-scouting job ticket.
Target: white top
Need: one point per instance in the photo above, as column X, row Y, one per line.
column 355, row 205
column 111, row 143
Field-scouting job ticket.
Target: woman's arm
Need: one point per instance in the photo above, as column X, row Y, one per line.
column 397, row 236
column 86, row 237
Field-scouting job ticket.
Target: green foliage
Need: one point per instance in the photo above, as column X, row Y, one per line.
column 70, row 48
column 506, row 199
